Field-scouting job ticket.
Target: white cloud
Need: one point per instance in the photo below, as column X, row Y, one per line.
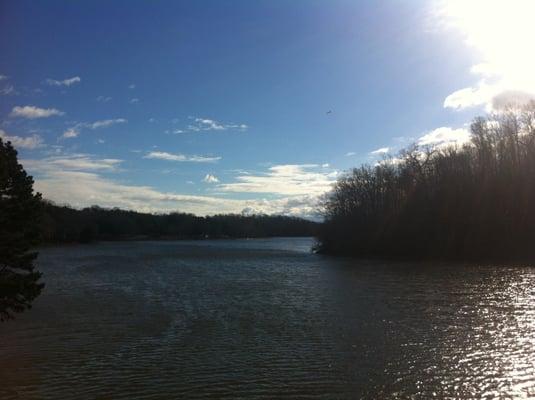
column 471, row 97
column 444, row 137
column 210, row 179
column 382, row 150
column 502, row 33
column 134, row 100
column 64, row 82
column 3, row 77
column 350, row 154
column 32, row 112
column 206, row 124
column 30, row 142
column 132, row 86
column 287, row 180
column 162, row 155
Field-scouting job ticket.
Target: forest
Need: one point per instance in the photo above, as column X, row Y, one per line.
column 470, row 202
column 66, row 224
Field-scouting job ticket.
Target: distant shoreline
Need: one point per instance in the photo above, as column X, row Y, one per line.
column 63, row 224
column 169, row 239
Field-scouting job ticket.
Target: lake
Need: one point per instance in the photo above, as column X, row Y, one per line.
column 264, row 319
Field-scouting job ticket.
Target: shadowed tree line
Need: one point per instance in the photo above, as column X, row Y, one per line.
column 475, row 202
column 65, row 224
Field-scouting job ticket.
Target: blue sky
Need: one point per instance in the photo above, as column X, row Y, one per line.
column 239, row 106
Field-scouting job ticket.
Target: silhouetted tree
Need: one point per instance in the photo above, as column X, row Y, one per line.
column 474, row 202
column 20, row 210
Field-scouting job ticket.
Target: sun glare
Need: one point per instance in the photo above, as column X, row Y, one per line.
column 502, row 32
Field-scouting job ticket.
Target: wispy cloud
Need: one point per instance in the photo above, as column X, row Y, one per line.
column 75, row 130
column 290, row 179
column 382, row 150
column 64, row 82
column 162, row 155
column 350, row 153
column 3, row 77
column 32, row 112
column 132, row 86
column 134, row 100
column 210, row 179
column 74, row 162
column 8, row 90
column 105, row 123
column 206, row 124
column 19, row 142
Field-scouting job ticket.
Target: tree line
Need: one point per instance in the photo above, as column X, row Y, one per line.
column 66, row 224
column 475, row 202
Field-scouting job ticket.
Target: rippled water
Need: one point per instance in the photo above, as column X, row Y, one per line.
column 267, row 319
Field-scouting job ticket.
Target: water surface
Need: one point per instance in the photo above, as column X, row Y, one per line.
column 267, row 319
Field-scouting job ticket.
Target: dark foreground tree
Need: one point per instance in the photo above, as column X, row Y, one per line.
column 20, row 211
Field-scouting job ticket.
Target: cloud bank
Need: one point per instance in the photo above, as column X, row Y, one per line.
column 78, row 180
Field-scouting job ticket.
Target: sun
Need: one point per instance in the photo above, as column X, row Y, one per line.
column 502, row 33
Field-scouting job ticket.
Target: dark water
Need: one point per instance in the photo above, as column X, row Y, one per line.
column 267, row 319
